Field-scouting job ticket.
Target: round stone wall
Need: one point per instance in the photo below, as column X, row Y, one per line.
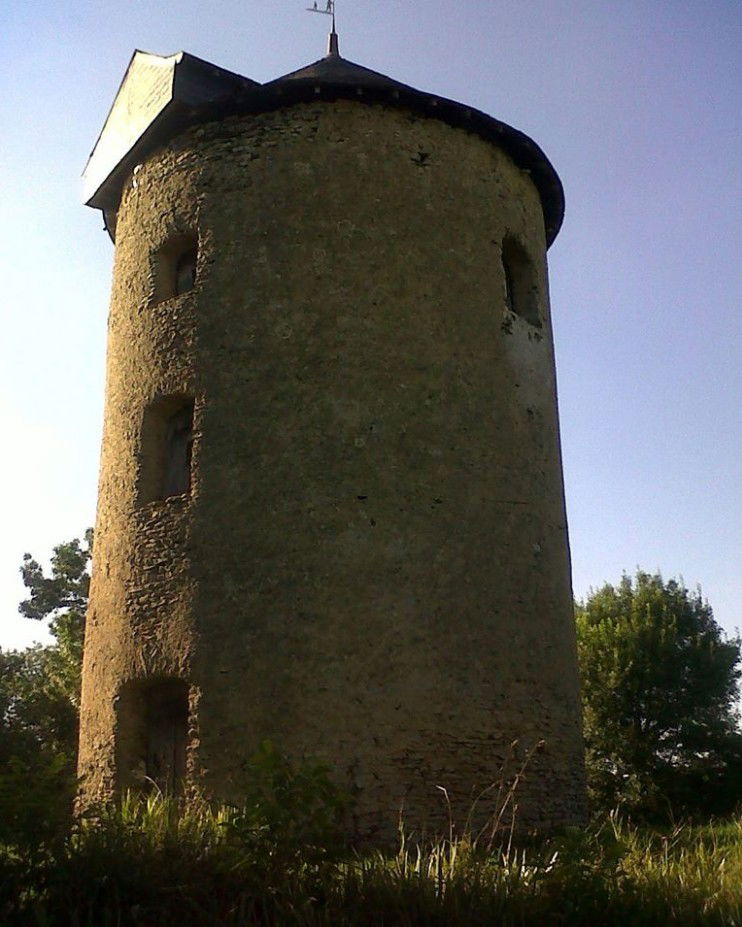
column 370, row 564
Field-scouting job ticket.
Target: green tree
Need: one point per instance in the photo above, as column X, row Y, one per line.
column 659, row 684
column 39, row 699
column 62, row 599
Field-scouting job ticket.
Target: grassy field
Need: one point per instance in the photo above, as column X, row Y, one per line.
column 145, row 865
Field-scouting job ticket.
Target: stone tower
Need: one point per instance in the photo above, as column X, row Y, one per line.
column 331, row 508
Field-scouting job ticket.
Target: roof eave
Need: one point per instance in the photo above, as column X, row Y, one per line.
column 327, row 79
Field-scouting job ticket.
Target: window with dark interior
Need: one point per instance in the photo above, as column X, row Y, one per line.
column 152, row 734
column 175, row 267
column 178, row 452
column 521, row 285
column 166, row 451
column 185, row 272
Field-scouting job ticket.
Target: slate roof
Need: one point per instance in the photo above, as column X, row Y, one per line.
column 161, row 97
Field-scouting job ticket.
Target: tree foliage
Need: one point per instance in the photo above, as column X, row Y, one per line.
column 659, row 683
column 61, row 598
column 39, row 698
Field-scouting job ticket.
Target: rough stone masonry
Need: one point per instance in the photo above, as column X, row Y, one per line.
column 330, row 312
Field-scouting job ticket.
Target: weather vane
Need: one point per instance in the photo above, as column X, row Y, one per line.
column 329, row 10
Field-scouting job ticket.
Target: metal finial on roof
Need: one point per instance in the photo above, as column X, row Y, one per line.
column 333, row 46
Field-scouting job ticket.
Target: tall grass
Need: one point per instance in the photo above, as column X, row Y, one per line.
column 150, row 864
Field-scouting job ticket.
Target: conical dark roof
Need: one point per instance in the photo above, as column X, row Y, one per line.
column 338, row 72
column 329, row 78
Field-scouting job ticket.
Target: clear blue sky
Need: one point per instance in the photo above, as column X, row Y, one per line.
column 637, row 104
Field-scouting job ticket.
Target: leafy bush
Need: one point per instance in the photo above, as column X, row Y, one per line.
column 38, row 728
column 290, row 815
column 39, row 701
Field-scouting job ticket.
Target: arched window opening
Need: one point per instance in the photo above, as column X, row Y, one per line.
column 521, row 285
column 152, row 734
column 166, row 454
column 175, row 267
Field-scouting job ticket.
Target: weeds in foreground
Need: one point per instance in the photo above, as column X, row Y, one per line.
column 149, row 866
column 277, row 861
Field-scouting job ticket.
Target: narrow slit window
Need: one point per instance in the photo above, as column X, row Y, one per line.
column 521, row 285
column 178, row 453
column 509, row 286
column 166, row 449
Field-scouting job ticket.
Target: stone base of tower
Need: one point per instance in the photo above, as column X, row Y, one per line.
column 433, row 785
column 431, row 781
